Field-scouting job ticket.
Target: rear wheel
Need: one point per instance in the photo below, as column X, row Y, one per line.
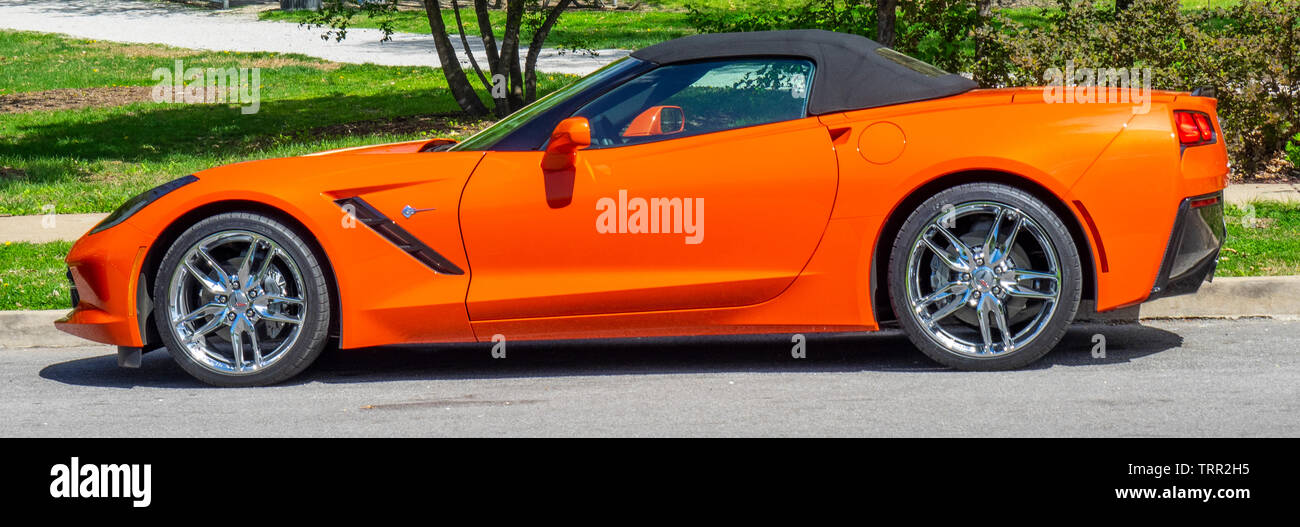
column 984, row 276
column 241, row 300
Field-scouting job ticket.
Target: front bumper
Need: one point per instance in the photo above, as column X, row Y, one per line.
column 1193, row 250
column 104, row 269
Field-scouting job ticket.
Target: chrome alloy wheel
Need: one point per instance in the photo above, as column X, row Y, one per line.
column 236, row 302
column 991, row 265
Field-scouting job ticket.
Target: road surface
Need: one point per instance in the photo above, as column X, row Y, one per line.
column 1163, row 378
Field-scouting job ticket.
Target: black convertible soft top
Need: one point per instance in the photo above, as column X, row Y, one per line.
column 853, row 72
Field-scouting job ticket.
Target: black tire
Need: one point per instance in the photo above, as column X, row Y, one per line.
column 1048, row 328
column 313, row 310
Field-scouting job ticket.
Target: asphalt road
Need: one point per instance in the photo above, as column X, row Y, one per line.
column 1164, row 378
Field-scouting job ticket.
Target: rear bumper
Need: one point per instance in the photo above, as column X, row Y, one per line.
column 1193, row 250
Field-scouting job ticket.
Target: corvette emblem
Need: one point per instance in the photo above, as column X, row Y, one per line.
column 409, row 211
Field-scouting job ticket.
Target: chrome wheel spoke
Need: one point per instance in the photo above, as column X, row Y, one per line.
column 277, row 299
column 990, row 240
column 237, row 345
column 275, row 317
column 206, row 281
column 948, row 309
column 1018, row 289
column 998, row 245
column 1000, row 317
column 203, row 331
column 954, row 264
column 963, row 252
column 952, row 292
column 922, row 305
column 222, row 277
column 266, row 265
column 208, row 309
column 983, row 312
column 246, row 263
column 257, row 347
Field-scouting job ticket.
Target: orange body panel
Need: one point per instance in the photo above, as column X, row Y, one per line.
column 792, row 215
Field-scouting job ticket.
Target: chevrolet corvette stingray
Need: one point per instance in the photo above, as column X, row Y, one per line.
column 770, row 182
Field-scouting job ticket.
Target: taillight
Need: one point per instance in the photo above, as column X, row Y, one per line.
column 1203, row 123
column 1194, row 128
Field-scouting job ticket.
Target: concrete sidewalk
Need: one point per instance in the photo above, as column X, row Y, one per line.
column 45, row 229
column 1248, row 192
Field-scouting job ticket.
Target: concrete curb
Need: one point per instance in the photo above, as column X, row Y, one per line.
column 1227, row 297
column 33, row 329
column 1253, row 296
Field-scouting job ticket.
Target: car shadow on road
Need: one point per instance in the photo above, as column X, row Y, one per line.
column 887, row 351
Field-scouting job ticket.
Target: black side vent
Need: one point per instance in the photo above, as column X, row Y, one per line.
column 400, row 237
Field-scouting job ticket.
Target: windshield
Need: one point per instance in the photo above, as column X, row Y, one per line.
column 489, row 136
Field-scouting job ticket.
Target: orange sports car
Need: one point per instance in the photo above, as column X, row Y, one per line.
column 773, row 182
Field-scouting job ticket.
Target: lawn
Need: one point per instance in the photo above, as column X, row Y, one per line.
column 33, row 276
column 90, row 159
column 1263, row 240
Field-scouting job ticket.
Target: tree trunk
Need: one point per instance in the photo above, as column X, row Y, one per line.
column 510, row 54
column 535, row 49
column 1121, row 5
column 459, row 84
column 464, row 42
column 489, row 38
column 886, row 15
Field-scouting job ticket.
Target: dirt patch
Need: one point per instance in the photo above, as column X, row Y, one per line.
column 11, row 173
column 73, row 98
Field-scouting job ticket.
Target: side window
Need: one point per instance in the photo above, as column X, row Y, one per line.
column 682, row 100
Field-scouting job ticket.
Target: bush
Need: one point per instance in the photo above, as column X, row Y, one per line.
column 1293, row 151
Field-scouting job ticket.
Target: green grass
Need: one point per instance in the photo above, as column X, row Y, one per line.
column 1263, row 240
column 574, row 30
column 92, row 159
column 32, row 276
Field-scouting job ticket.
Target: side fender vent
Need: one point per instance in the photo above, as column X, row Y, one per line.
column 400, row 237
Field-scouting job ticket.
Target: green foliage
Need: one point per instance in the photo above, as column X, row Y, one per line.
column 1293, row 151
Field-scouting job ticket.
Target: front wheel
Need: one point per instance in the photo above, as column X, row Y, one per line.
column 241, row 300
column 984, row 276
